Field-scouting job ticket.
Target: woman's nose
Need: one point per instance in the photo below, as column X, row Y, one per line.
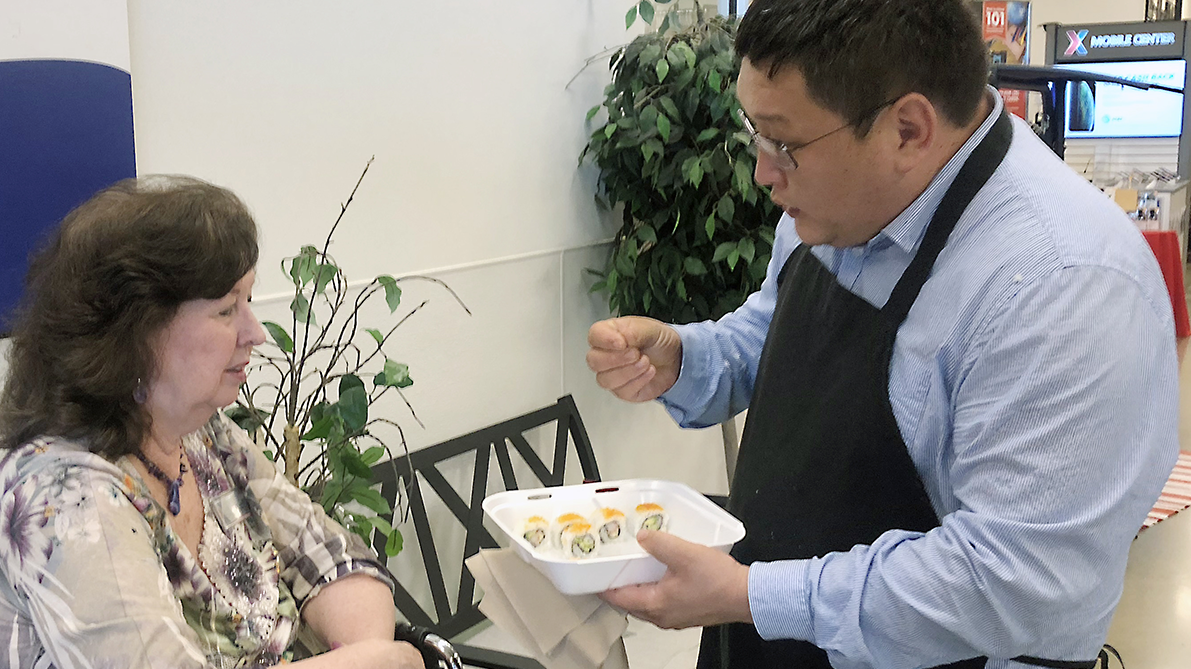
column 253, row 333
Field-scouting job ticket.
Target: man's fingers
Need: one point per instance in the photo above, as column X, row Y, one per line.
column 635, row 599
column 626, row 381
column 638, row 332
column 606, row 335
column 601, row 360
column 638, row 389
column 667, row 548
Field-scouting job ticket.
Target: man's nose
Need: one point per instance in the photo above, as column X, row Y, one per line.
column 767, row 173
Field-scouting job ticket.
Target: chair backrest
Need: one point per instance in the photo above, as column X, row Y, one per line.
column 447, row 620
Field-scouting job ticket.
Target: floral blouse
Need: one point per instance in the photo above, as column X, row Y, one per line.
column 91, row 575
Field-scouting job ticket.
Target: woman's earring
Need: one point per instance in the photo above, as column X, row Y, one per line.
column 141, row 393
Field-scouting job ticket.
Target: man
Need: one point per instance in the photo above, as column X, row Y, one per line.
column 960, row 370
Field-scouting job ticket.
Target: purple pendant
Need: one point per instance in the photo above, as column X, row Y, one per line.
column 175, row 496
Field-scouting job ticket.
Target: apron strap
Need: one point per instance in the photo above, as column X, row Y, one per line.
column 1065, row 664
column 971, row 178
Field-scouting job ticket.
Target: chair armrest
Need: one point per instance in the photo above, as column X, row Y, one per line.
column 436, row 651
column 485, row 658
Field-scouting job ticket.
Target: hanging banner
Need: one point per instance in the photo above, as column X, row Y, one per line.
column 65, row 120
column 1007, row 34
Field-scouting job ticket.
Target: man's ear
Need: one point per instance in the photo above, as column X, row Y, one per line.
column 916, row 124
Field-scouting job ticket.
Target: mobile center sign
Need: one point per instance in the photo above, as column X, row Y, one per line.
column 1118, row 41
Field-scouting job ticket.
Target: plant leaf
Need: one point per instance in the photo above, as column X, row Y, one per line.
column 710, row 227
column 669, row 107
column 715, row 81
column 373, row 500
column 664, row 125
column 726, row 209
column 645, row 9
column 396, row 374
column 320, row 429
column 593, row 111
column 630, row 17
column 395, row 543
column 380, row 338
column 280, row 336
column 722, row 251
column 748, row 249
column 392, row 291
column 349, row 381
column 733, row 258
column 663, row 68
column 300, row 306
column 707, row 134
column 301, row 269
column 383, row 526
column 694, row 266
column 646, row 233
column 609, row 130
column 372, row 455
column 324, row 273
column 356, row 467
column 353, row 406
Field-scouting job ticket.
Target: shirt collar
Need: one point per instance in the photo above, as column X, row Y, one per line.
column 907, row 229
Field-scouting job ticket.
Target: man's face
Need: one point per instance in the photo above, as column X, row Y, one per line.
column 840, row 193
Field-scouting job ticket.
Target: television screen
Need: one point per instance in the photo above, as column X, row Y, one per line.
column 1099, row 109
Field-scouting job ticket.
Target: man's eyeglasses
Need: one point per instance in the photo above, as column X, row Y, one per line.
column 783, row 154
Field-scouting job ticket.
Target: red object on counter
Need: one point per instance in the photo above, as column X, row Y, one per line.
column 1165, row 244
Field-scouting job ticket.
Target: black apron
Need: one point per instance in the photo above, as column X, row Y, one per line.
column 822, row 464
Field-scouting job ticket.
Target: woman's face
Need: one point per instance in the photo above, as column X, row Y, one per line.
column 201, row 358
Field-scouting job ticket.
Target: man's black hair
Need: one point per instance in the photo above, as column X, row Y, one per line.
column 857, row 54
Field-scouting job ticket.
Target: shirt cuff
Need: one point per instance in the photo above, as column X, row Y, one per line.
column 690, row 390
column 779, row 600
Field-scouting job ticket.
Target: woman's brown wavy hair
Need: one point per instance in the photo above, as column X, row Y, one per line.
column 110, row 278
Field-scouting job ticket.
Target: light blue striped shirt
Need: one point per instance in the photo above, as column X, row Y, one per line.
column 1035, row 385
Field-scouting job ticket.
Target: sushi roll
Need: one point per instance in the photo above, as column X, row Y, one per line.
column 535, row 529
column 561, row 523
column 579, row 540
column 652, row 516
column 610, row 525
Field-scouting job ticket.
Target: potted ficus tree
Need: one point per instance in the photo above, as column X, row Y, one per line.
column 311, row 387
column 696, row 232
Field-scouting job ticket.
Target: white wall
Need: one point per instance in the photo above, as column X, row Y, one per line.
column 476, row 133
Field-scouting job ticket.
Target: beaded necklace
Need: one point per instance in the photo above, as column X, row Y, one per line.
column 173, row 486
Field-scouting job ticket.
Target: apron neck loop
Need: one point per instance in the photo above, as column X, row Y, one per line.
column 971, row 178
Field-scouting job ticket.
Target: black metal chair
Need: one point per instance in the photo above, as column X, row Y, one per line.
column 449, row 619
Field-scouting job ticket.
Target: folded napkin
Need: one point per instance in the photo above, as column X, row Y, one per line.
column 562, row 631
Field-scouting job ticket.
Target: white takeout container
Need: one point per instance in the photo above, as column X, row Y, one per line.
column 692, row 517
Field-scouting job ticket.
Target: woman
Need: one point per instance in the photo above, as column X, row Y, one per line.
column 139, row 527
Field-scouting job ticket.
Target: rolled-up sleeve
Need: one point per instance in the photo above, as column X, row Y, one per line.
column 313, row 549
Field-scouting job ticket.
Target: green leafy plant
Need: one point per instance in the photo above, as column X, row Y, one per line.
column 316, row 380
column 646, row 10
column 697, row 232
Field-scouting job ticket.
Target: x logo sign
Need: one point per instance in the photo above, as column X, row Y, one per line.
column 1076, row 46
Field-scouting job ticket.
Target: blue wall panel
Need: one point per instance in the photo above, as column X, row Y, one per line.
column 65, row 133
